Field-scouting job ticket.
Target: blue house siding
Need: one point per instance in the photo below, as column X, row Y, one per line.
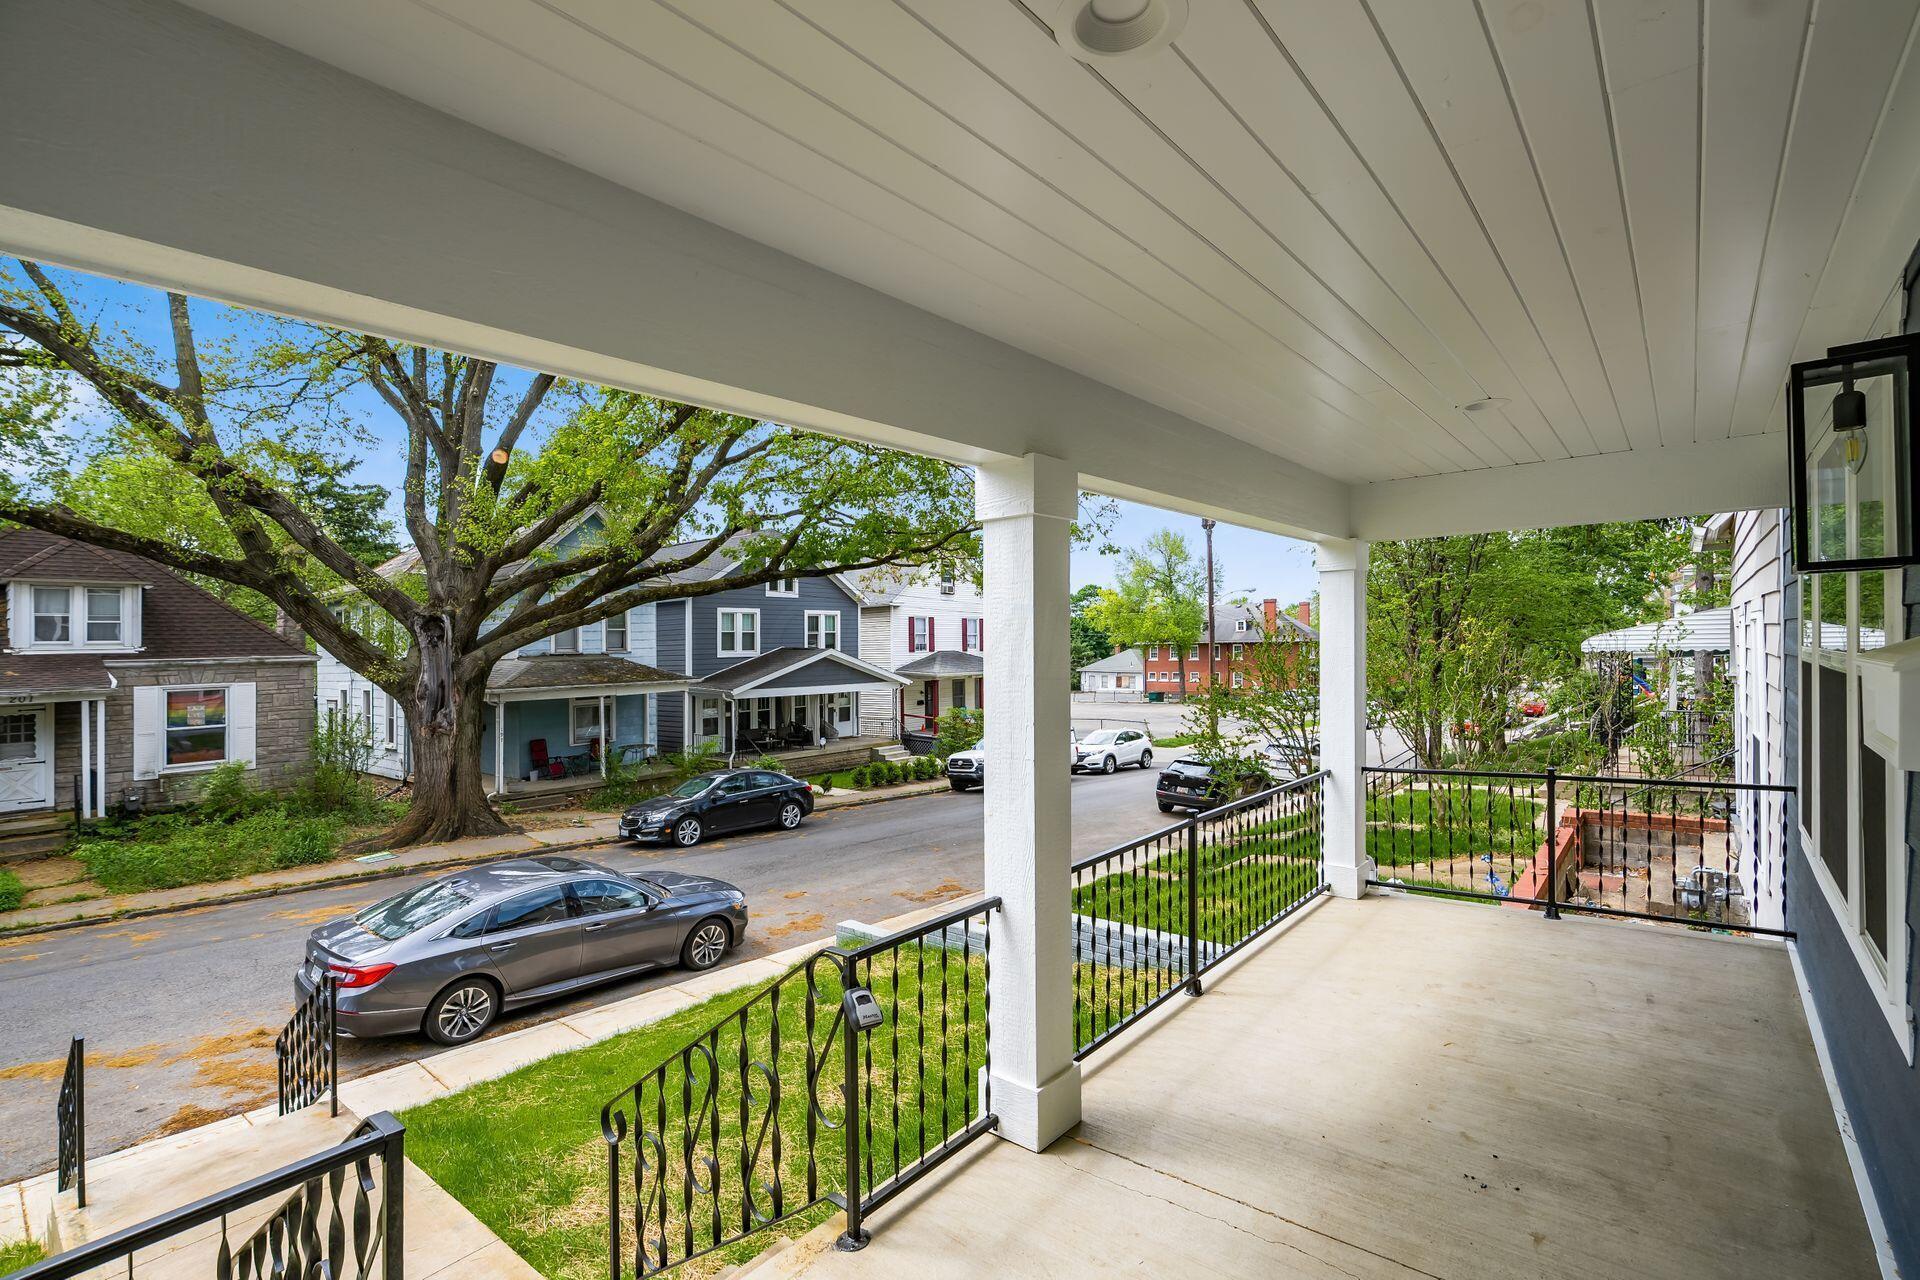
column 783, row 621
column 1880, row 1089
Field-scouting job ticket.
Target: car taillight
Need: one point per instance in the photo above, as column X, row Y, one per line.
column 346, row 976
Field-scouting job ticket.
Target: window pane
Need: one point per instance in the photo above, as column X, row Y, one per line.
column 1806, row 745
column 103, row 613
column 542, row 906
column 1873, row 610
column 52, row 612
column 600, row 896
column 1833, row 775
column 1873, row 846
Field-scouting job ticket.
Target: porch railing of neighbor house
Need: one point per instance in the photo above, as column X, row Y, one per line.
column 838, row 1084
column 336, row 1214
column 70, row 1124
column 1152, row 915
column 307, row 1051
column 1665, row 849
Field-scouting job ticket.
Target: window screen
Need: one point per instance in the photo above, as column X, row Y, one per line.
column 1873, row 846
column 1833, row 775
column 1806, row 745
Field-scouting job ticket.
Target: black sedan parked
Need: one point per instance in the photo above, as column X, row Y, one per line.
column 718, row 802
column 1190, row 784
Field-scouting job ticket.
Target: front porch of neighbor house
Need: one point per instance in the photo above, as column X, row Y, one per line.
column 1402, row 1087
column 554, row 721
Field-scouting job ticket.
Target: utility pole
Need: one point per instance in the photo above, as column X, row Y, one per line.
column 1206, row 524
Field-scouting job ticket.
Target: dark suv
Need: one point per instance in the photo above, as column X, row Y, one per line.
column 1189, row 784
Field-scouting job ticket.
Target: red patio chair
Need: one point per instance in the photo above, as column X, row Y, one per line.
column 543, row 765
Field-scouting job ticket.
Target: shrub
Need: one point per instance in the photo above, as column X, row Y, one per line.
column 307, row 842
column 889, row 772
column 12, row 892
column 174, row 849
column 228, row 794
column 824, row 782
column 925, row 767
column 772, row 764
column 336, row 783
column 860, row 777
column 960, row 729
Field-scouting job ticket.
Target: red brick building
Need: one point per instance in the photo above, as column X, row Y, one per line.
column 1229, row 655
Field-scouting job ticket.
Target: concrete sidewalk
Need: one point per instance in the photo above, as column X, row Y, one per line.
column 593, row 830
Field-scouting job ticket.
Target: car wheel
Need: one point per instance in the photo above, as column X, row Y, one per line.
column 705, row 945
column 790, row 815
column 1146, row 759
column 687, row 832
column 1108, row 764
column 1165, row 807
column 462, row 1011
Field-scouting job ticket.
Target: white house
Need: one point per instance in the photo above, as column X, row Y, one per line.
column 1118, row 677
column 927, row 625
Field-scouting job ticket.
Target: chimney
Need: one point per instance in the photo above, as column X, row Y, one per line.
column 1270, row 608
column 287, row 629
column 1304, row 613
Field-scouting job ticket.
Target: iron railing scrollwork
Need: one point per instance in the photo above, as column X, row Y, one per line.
column 307, row 1050
column 1152, row 915
column 335, row 1215
column 70, row 1124
column 1661, row 849
column 788, row 1105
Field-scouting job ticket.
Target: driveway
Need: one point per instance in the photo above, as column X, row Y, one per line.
column 180, row 1011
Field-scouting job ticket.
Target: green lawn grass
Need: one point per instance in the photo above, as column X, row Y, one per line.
column 1421, row 825
column 18, row 1255
column 525, row 1152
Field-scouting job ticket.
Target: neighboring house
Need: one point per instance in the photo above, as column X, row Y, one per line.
column 121, row 677
column 1118, row 677
column 735, row 669
column 1237, row 630
column 926, row 626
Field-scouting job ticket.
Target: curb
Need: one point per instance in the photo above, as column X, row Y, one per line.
column 384, row 873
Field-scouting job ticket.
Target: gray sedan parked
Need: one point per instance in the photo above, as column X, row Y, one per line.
column 449, row 956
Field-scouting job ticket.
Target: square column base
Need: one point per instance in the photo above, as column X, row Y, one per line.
column 1035, row 1117
column 1350, row 882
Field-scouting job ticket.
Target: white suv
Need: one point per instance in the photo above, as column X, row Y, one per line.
column 1105, row 750
column 967, row 769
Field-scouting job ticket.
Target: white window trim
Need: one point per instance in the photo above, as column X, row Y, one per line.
column 392, row 722
column 574, row 736
column 808, row 628
column 720, row 633
column 784, row 587
column 20, row 606
column 1886, row 978
column 626, row 634
column 226, row 729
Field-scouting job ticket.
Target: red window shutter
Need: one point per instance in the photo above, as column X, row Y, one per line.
column 930, row 644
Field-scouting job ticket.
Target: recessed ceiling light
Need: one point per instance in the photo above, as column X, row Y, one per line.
column 1482, row 404
column 1091, row 30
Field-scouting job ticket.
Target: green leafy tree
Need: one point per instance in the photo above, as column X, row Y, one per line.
column 497, row 466
column 1086, row 640
column 1159, row 597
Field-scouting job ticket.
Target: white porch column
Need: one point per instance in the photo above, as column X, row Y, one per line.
column 100, row 756
column 499, row 746
column 84, row 801
column 1026, row 508
column 1343, row 714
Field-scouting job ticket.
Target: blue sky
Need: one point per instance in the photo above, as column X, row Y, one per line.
column 1253, row 564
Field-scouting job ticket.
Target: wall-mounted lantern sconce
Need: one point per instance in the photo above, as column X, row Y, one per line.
column 1850, row 419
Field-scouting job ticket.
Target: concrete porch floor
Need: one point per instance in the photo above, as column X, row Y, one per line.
column 1404, row 1087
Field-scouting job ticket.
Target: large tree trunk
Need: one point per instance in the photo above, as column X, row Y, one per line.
column 449, row 777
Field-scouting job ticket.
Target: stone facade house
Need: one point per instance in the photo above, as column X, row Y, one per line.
column 118, row 678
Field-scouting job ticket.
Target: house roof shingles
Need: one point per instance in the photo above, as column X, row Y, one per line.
column 178, row 619
column 576, row 670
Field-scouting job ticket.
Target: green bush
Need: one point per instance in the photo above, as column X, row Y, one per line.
column 18, row 1255
column 12, row 892
column 227, row 794
column 824, row 782
column 926, row 767
column 861, row 774
column 174, row 849
column 308, row 842
column 772, row 764
column 960, row 729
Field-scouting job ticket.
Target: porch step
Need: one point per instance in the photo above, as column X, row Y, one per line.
column 892, row 751
column 25, row 836
column 541, row 801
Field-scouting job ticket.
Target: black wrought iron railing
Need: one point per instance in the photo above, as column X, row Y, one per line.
column 70, row 1124
column 836, row 1085
column 336, row 1215
column 307, row 1051
column 1152, row 915
column 1663, row 849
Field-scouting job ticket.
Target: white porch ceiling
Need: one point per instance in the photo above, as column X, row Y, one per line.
column 1318, row 227
column 1254, row 275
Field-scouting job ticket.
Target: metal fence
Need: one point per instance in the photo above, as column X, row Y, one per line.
column 307, row 1051
column 335, row 1215
column 1663, row 849
column 1152, row 915
column 838, row 1084
column 70, row 1124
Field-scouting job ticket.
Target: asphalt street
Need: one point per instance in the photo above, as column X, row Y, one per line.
column 180, row 1010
